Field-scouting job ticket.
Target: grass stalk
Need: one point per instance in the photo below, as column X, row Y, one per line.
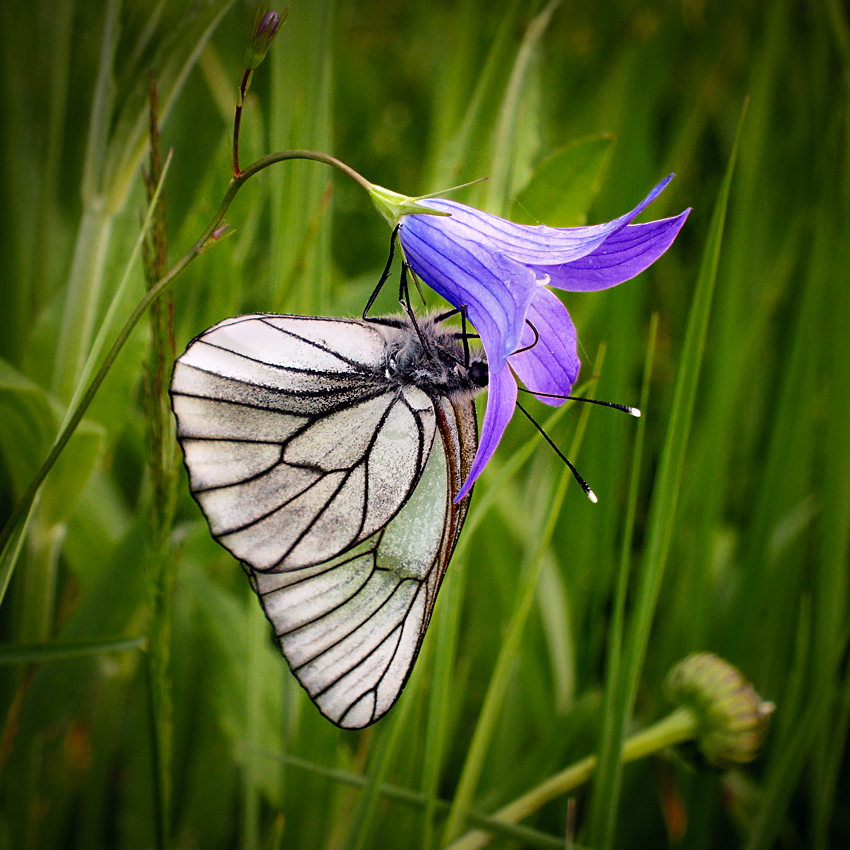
column 526, row 593
column 665, row 496
column 678, row 727
column 606, row 784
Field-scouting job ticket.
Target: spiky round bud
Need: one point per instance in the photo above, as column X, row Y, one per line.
column 732, row 718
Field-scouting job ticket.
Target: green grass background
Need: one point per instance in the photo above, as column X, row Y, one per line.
column 737, row 542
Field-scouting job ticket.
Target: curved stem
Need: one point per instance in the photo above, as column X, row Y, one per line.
column 208, row 236
column 316, row 156
column 679, row 726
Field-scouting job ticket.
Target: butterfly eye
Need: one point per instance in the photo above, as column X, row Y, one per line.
column 478, row 374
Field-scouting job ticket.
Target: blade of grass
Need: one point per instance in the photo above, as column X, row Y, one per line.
column 831, row 587
column 12, row 548
column 506, row 133
column 60, row 39
column 783, row 779
column 300, row 114
column 441, row 692
column 610, row 738
column 36, row 653
column 249, row 822
column 360, row 834
column 456, row 147
column 474, row 762
column 86, row 277
column 663, row 506
column 527, row 836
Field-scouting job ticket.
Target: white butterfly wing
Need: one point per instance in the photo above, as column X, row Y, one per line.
column 329, row 485
column 351, row 629
column 296, row 450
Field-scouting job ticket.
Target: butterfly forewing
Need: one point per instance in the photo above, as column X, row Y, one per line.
column 335, row 487
column 309, row 440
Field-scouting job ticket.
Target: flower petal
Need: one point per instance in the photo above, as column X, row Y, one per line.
column 495, row 290
column 552, row 365
column 501, row 401
column 533, row 245
column 620, row 257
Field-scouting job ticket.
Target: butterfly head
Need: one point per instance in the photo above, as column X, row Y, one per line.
column 434, row 360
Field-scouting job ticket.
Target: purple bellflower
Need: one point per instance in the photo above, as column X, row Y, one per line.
column 499, row 272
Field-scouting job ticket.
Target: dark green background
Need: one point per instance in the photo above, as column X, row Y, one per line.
column 418, row 97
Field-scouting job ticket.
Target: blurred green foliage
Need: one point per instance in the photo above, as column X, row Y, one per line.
column 573, row 111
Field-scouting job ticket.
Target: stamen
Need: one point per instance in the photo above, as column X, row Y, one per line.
column 536, row 339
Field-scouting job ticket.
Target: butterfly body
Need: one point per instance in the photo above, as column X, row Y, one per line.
column 326, row 455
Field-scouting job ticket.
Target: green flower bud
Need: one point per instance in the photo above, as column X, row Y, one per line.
column 731, row 716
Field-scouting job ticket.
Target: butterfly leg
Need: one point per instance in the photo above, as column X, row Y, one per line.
column 536, row 339
column 464, row 336
column 384, row 276
column 404, row 300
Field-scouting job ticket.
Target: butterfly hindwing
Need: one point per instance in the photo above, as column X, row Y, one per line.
column 352, row 629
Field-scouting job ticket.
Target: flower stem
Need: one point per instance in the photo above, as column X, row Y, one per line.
column 237, row 120
column 677, row 727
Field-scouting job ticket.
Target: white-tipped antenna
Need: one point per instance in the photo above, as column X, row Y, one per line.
column 632, row 411
column 581, row 482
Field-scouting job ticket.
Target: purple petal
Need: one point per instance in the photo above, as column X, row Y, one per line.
column 495, row 290
column 536, row 245
column 501, row 400
column 620, row 257
column 552, row 365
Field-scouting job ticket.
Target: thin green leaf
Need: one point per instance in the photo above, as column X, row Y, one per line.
column 791, row 760
column 506, row 132
column 37, row 653
column 497, row 688
column 606, row 783
column 664, row 498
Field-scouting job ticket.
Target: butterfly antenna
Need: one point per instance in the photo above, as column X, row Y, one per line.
column 384, row 276
column 581, row 482
column 632, row 411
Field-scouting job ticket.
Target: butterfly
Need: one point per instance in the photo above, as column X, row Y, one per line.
column 326, row 455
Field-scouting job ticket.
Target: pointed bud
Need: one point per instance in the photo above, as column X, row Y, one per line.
column 266, row 26
column 732, row 718
column 217, row 235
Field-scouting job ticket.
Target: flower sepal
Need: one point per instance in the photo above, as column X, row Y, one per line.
column 393, row 205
